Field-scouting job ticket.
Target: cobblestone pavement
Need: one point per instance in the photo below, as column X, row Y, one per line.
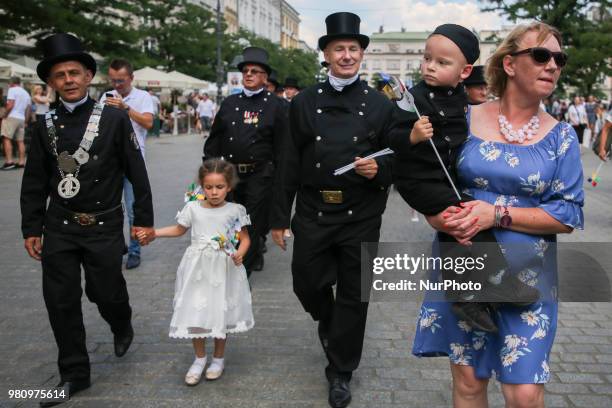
column 279, row 363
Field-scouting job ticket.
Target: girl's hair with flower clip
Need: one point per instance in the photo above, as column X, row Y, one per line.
column 219, row 166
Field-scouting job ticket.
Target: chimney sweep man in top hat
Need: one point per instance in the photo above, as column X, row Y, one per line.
column 248, row 131
column 334, row 123
column 78, row 158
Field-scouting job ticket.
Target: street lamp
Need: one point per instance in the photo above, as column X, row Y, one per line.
column 219, row 62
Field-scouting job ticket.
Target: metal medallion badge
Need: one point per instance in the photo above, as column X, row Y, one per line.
column 68, row 187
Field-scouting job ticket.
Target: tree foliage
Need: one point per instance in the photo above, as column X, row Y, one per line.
column 288, row 62
column 103, row 25
column 586, row 38
column 171, row 34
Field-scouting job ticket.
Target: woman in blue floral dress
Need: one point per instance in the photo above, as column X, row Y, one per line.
column 539, row 180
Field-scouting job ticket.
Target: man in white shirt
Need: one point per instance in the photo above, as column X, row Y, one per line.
column 140, row 108
column 13, row 126
column 206, row 112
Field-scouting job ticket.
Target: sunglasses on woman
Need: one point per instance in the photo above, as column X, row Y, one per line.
column 542, row 55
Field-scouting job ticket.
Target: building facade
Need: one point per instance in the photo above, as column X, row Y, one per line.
column 290, row 26
column 400, row 53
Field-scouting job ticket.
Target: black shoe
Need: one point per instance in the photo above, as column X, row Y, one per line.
column 258, row 265
column 8, row 166
column 123, row 341
column 133, row 261
column 475, row 314
column 339, row 393
column 511, row 290
column 69, row 388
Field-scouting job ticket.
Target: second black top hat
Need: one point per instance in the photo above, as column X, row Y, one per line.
column 343, row 25
column 255, row 55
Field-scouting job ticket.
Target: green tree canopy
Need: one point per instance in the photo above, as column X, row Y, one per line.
column 587, row 38
column 288, row 62
column 103, row 25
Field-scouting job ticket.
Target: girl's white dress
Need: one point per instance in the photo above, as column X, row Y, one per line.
column 212, row 295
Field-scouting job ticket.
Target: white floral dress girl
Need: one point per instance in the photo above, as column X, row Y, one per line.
column 545, row 175
column 212, row 296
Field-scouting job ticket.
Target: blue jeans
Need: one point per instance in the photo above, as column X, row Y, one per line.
column 128, row 198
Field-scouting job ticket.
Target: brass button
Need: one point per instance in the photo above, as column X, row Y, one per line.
column 231, row 138
column 320, row 91
column 318, row 138
column 365, row 91
column 320, row 214
column 237, row 108
column 319, row 111
column 355, row 138
column 318, row 165
column 448, row 139
column 360, row 113
column 350, row 212
column 230, row 156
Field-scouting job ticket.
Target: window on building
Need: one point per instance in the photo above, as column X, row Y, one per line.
column 364, row 65
column 376, row 64
column 393, row 64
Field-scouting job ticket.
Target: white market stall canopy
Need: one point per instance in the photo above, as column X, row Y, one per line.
column 9, row 69
column 148, row 77
column 192, row 81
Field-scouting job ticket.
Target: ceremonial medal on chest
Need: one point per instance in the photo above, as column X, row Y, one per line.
column 68, row 187
column 251, row 118
column 66, row 163
column 69, row 165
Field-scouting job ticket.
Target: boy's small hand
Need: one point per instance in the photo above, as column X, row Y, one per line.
column 421, row 131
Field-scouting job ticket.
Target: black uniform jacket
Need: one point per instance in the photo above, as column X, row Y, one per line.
column 328, row 130
column 113, row 155
column 446, row 108
column 248, row 130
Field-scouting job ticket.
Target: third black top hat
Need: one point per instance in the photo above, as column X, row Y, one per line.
column 476, row 77
column 343, row 25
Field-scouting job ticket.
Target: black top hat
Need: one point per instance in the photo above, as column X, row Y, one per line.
column 255, row 55
column 63, row 47
column 291, row 82
column 476, row 77
column 343, row 25
column 273, row 79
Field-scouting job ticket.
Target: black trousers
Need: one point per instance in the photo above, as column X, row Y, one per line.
column 62, row 257
column 328, row 254
column 254, row 192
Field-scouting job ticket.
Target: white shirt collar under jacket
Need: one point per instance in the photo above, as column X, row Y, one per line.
column 71, row 106
column 251, row 93
column 339, row 83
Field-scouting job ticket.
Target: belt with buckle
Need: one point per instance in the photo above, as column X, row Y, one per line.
column 246, row 167
column 88, row 219
column 332, row 196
